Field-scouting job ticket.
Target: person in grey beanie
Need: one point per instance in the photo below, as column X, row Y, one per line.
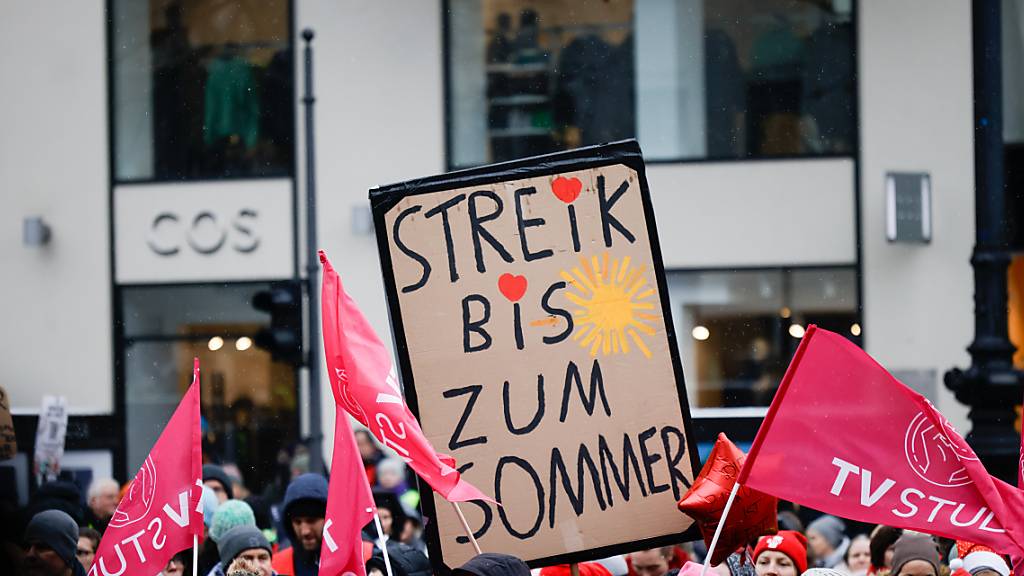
column 827, row 541
column 51, row 541
column 245, row 548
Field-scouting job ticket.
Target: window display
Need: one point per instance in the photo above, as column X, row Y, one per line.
column 202, row 89
column 738, row 330
column 249, row 398
column 688, row 78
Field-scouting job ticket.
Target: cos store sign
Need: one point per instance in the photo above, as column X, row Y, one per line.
column 202, row 232
column 205, row 233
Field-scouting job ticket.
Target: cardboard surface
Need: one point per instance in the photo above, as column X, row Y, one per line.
column 8, row 442
column 536, row 348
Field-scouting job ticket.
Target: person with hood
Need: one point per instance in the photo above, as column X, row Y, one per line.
column 827, row 541
column 51, row 543
column 218, row 480
column 305, row 505
column 493, row 564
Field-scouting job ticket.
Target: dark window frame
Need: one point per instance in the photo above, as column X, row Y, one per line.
column 290, row 172
column 742, row 427
column 123, row 341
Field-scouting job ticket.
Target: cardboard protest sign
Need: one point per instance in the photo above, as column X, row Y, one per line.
column 8, row 441
column 50, row 434
column 535, row 342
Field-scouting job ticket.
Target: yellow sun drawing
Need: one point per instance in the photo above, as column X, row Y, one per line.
column 615, row 305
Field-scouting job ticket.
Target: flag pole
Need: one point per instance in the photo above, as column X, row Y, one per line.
column 383, row 543
column 718, row 529
column 465, row 526
column 195, row 536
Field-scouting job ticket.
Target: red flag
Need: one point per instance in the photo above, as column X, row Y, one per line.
column 365, row 384
column 349, row 505
column 160, row 514
column 1017, row 560
column 752, row 514
column 843, row 436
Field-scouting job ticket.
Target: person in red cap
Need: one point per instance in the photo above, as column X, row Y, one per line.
column 586, row 569
column 978, row 560
column 782, row 554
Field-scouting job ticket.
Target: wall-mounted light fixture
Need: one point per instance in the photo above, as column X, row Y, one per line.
column 362, row 220
column 908, row 207
column 36, row 232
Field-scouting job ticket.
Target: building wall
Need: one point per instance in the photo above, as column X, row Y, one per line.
column 758, row 213
column 56, row 336
column 380, row 89
column 380, row 118
column 916, row 116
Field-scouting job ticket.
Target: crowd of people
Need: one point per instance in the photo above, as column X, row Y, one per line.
column 247, row 534
column 827, row 547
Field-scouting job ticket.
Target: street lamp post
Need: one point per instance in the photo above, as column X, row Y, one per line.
column 990, row 386
column 316, row 456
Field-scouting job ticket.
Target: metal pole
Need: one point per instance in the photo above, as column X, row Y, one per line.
column 316, row 457
column 990, row 386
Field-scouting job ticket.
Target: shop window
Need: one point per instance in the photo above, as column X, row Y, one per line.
column 249, row 399
column 691, row 79
column 202, row 89
column 738, row 330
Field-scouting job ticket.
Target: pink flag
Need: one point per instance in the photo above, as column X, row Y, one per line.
column 349, row 504
column 160, row 513
column 1017, row 560
column 843, row 436
column 364, row 382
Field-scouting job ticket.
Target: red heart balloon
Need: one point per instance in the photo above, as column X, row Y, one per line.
column 566, row 189
column 512, row 287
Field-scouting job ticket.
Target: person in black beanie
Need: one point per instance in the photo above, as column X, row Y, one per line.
column 51, row 541
column 60, row 495
column 493, row 564
column 405, row 561
column 217, row 479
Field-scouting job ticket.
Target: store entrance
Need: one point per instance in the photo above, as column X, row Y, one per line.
column 248, row 396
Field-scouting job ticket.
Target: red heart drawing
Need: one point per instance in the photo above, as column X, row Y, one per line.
column 566, row 189
column 512, row 287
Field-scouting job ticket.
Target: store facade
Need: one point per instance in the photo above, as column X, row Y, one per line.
column 768, row 130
